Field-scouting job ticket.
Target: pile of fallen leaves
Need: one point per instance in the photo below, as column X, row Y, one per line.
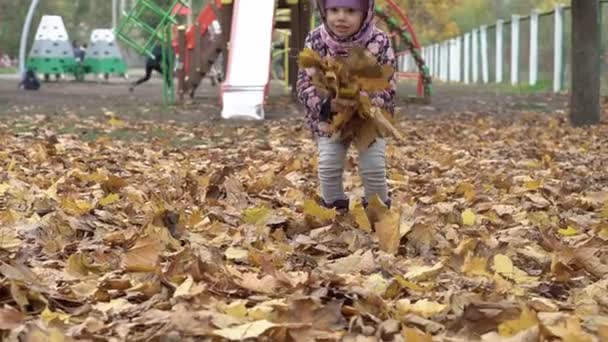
column 350, row 80
column 498, row 233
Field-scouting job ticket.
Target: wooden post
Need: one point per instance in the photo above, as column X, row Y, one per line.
column 225, row 20
column 585, row 98
column 300, row 26
column 181, row 68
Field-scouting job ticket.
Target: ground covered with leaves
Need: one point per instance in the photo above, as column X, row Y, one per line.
column 113, row 230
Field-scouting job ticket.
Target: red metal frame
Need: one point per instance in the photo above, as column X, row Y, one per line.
column 204, row 19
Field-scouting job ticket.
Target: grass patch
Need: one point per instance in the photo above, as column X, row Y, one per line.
column 8, row 71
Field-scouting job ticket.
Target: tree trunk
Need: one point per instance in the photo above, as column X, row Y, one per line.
column 585, row 98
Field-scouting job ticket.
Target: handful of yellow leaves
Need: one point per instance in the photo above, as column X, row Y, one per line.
column 348, row 80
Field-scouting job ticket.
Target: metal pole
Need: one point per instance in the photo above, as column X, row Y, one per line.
column 114, row 17
column 123, row 7
column 24, row 34
column 191, row 13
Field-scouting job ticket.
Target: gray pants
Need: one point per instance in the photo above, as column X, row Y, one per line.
column 372, row 169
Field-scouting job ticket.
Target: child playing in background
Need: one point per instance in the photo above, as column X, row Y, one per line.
column 346, row 24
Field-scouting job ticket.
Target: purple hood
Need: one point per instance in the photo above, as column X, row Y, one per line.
column 360, row 38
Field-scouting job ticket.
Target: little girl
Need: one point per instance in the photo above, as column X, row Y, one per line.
column 346, row 24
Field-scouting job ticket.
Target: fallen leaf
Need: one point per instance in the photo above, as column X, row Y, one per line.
column 109, row 199
column 245, row 331
column 415, row 335
column 568, row 231
column 313, row 209
column 10, row 318
column 387, row 231
column 420, row 273
column 256, row 216
column 423, row 307
column 143, row 256
column 235, row 253
column 265, row 284
column 504, row 266
column 48, row 316
column 237, row 309
column 360, row 216
column 468, row 217
column 569, row 331
column 526, row 320
column 475, row 266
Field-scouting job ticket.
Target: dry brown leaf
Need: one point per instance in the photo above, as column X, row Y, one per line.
column 143, row 256
column 387, row 231
column 10, row 318
column 245, row 331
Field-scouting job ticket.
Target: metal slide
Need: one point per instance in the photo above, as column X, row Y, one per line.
column 249, row 60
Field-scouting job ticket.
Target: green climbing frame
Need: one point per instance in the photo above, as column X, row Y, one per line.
column 136, row 31
column 394, row 26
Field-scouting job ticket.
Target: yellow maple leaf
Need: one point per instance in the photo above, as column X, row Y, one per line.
column 311, row 208
column 256, row 216
column 570, row 331
column 475, row 266
column 47, row 316
column 111, row 198
column 533, row 185
column 309, row 58
column 387, row 231
column 237, row 309
column 404, row 283
column 358, row 212
column 75, row 206
column 468, row 217
column 526, row 320
column 568, row 231
column 376, row 283
column 115, row 122
column 603, row 234
column 504, row 266
column 415, row 335
column 605, row 211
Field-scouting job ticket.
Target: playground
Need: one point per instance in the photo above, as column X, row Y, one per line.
column 187, row 209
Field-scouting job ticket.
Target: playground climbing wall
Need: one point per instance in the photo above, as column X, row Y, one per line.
column 103, row 55
column 51, row 52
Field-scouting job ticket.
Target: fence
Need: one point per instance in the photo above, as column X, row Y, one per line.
column 533, row 50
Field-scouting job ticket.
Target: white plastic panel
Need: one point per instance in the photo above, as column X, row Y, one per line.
column 103, row 45
column 51, row 40
column 51, row 28
column 249, row 59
